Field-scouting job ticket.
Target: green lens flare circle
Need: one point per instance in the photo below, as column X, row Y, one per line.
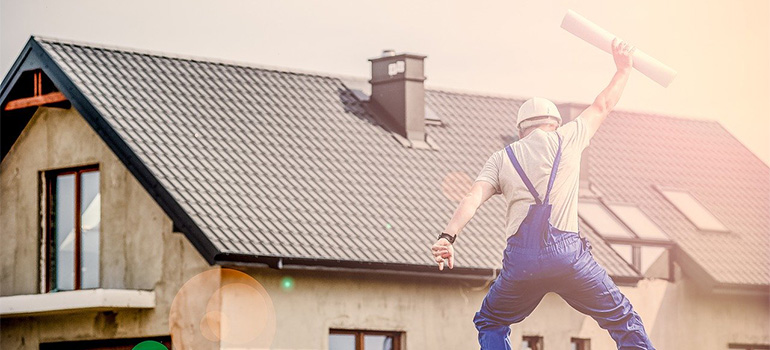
column 150, row 345
column 287, row 283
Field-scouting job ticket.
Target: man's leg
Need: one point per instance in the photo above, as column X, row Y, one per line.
column 591, row 291
column 507, row 302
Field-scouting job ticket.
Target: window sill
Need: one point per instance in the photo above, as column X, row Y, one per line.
column 75, row 301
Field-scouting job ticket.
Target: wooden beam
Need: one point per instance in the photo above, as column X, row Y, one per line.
column 35, row 101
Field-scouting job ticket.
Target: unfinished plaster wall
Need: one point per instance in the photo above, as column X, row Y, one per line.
column 438, row 314
column 138, row 249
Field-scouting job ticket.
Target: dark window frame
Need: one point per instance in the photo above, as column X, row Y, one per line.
column 744, row 346
column 50, row 217
column 360, row 333
column 119, row 343
column 636, row 243
column 536, row 338
column 582, row 343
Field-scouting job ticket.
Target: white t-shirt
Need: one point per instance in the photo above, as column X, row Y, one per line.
column 536, row 153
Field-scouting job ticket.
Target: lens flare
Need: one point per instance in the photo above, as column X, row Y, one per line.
column 287, row 283
column 222, row 308
column 455, row 185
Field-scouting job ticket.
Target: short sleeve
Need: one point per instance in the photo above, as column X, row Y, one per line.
column 576, row 134
column 491, row 171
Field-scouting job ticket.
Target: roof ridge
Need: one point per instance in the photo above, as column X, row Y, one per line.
column 470, row 93
column 192, row 58
column 340, row 77
column 615, row 110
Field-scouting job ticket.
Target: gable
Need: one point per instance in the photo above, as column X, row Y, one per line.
column 133, row 231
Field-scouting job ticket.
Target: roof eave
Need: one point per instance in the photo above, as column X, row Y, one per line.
column 278, row 262
column 707, row 282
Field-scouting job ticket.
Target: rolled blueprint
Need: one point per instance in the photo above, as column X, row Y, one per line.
column 597, row 36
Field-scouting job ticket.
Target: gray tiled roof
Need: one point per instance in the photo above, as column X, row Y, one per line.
column 274, row 163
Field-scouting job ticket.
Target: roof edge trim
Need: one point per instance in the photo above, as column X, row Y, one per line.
column 116, row 144
column 278, row 262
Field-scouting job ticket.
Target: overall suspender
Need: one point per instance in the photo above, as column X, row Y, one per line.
column 524, row 177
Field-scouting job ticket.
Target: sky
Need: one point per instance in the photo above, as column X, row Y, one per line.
column 720, row 48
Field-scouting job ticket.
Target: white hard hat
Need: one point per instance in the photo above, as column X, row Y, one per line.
column 537, row 107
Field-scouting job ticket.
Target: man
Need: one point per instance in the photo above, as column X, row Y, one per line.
column 545, row 252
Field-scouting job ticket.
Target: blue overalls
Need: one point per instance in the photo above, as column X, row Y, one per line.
column 539, row 259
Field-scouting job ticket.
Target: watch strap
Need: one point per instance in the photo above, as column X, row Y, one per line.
column 448, row 237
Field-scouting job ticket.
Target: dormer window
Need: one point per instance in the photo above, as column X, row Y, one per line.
column 73, row 213
column 631, row 234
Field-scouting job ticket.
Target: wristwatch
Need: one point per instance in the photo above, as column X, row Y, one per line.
column 448, row 237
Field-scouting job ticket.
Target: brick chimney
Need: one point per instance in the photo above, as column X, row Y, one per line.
column 398, row 95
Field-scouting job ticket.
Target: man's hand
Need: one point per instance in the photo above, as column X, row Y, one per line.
column 442, row 249
column 622, row 53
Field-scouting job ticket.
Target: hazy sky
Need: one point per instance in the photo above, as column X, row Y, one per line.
column 720, row 48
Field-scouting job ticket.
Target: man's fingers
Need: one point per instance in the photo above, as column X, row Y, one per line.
column 439, row 248
column 451, row 262
column 441, row 265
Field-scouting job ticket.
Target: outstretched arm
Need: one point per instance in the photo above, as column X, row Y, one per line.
column 604, row 103
column 478, row 194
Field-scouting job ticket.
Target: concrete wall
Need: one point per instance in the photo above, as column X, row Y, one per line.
column 138, row 249
column 437, row 314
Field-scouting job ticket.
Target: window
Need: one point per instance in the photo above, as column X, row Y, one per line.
column 644, row 246
column 73, row 212
column 108, row 344
column 531, row 343
column 748, row 346
column 597, row 216
column 580, row 344
column 635, row 219
column 649, row 255
column 626, row 251
column 340, row 339
column 694, row 210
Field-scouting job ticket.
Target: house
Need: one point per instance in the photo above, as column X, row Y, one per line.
column 218, row 205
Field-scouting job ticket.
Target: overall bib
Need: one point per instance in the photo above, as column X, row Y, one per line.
column 539, row 259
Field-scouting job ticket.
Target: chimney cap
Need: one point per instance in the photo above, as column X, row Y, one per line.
column 389, row 54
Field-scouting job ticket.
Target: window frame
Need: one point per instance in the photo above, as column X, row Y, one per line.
column 49, row 183
column 602, row 205
column 361, row 333
column 744, row 346
column 537, row 338
column 116, row 343
column 662, row 191
column 639, row 238
column 635, row 243
column 582, row 343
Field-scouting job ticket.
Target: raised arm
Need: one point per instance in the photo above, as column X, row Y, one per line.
column 604, row 103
